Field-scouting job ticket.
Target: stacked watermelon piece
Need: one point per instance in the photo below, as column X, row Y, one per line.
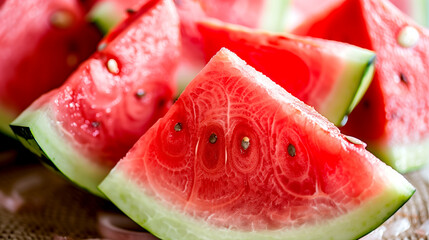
column 237, row 155
column 392, row 118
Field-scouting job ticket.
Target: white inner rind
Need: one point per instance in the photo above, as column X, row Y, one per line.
column 403, row 157
column 168, row 223
column 355, row 78
column 69, row 160
column 273, row 17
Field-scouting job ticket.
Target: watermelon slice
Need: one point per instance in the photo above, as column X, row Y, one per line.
column 299, row 11
column 36, row 58
column 267, row 14
column 330, row 76
column 237, row 157
column 393, row 116
column 85, row 126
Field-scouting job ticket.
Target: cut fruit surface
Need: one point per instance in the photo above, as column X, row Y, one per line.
column 85, row 126
column 393, row 116
column 237, row 157
column 330, row 76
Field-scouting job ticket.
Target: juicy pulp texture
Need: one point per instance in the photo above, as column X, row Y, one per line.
column 393, row 113
column 113, row 98
column 192, row 176
column 328, row 75
column 267, row 14
column 41, row 43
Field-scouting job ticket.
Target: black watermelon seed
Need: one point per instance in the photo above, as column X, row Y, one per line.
column 178, row 127
column 291, row 150
column 213, row 138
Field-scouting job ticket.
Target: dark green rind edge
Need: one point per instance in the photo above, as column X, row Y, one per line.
column 37, row 131
column 403, row 157
column 168, row 223
column 24, row 135
column 366, row 79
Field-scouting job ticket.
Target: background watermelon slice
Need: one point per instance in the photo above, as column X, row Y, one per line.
column 106, row 14
column 330, row 76
column 85, row 126
column 237, row 157
column 299, row 11
column 417, row 9
column 41, row 43
column 393, row 116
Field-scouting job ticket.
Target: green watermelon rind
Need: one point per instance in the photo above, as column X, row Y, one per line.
column 403, row 158
column 357, row 76
column 167, row 223
column 273, row 17
column 43, row 138
column 419, row 11
column 105, row 15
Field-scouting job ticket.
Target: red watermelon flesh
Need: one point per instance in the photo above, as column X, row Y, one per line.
column 41, row 43
column 111, row 99
column 237, row 157
column 392, row 117
column 301, row 10
column 327, row 75
column 241, row 12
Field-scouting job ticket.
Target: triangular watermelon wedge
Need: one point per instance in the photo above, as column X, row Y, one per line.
column 238, row 157
column 327, row 75
column 85, row 126
column 393, row 116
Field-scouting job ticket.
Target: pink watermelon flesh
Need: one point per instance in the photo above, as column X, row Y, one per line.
column 392, row 117
column 99, row 113
column 42, row 42
column 325, row 74
column 237, row 157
